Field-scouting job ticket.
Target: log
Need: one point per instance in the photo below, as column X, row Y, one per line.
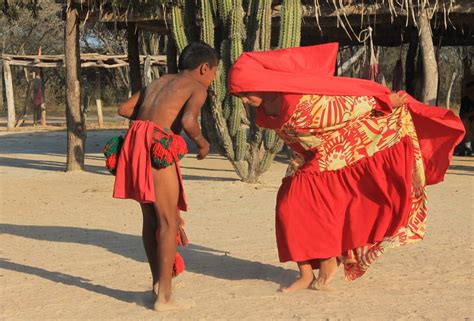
column 9, row 95
column 76, row 130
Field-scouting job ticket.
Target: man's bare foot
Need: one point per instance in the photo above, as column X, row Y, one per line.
column 154, row 291
column 303, row 282
column 172, row 305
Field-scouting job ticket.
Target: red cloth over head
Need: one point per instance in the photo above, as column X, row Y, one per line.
column 304, row 70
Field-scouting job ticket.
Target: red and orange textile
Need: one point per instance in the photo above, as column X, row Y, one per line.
column 147, row 145
column 357, row 186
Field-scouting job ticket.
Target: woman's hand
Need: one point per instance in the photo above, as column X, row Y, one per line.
column 398, row 100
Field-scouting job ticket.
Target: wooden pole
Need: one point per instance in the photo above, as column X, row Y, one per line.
column 171, row 55
column 134, row 58
column 2, row 88
column 98, row 101
column 76, row 130
column 43, row 96
column 9, row 93
column 430, row 67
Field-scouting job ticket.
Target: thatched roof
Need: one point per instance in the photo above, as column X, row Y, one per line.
column 323, row 20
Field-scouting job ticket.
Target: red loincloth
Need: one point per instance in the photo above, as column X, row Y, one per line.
column 134, row 177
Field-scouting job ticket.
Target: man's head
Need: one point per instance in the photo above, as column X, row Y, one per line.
column 200, row 58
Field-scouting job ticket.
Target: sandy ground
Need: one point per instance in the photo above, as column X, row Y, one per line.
column 69, row 251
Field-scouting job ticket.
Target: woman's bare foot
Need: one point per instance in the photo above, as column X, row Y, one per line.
column 300, row 284
column 327, row 270
column 305, row 279
column 318, row 285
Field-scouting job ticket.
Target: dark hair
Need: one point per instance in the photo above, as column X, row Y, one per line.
column 197, row 53
column 469, row 84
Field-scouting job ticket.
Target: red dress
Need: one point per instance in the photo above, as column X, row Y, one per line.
column 357, row 184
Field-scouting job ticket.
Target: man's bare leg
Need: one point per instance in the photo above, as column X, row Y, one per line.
column 167, row 190
column 327, row 270
column 305, row 279
column 150, row 224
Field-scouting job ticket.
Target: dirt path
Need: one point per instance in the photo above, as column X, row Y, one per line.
column 70, row 251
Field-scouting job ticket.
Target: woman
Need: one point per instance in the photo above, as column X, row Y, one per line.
column 363, row 157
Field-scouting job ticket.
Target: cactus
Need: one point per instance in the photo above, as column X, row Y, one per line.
column 178, row 27
column 240, row 142
column 225, row 25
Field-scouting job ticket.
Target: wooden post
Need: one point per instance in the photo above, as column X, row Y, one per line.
column 43, row 96
column 171, row 55
column 134, row 58
column 76, row 129
column 9, row 93
column 2, row 88
column 430, row 67
column 98, row 101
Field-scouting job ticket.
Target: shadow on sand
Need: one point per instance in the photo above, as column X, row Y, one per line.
column 199, row 259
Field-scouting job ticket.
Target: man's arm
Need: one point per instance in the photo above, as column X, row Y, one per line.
column 190, row 123
column 129, row 109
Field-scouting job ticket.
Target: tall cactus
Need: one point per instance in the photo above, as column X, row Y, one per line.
column 225, row 25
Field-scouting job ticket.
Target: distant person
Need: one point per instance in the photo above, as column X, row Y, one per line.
column 466, row 113
column 148, row 170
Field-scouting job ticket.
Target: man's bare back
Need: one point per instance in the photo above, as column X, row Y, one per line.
column 165, row 100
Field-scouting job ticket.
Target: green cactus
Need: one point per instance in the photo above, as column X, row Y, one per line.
column 235, row 118
column 225, row 25
column 178, row 27
column 240, row 142
column 290, row 24
column 207, row 26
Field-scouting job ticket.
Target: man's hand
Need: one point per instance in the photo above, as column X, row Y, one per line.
column 398, row 100
column 203, row 148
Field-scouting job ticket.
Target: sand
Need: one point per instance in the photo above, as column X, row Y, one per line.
column 71, row 252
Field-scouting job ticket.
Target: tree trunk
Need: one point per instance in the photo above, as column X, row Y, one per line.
column 410, row 65
column 134, row 58
column 430, row 68
column 171, row 54
column 76, row 129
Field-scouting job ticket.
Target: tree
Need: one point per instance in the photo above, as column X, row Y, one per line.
column 76, row 128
